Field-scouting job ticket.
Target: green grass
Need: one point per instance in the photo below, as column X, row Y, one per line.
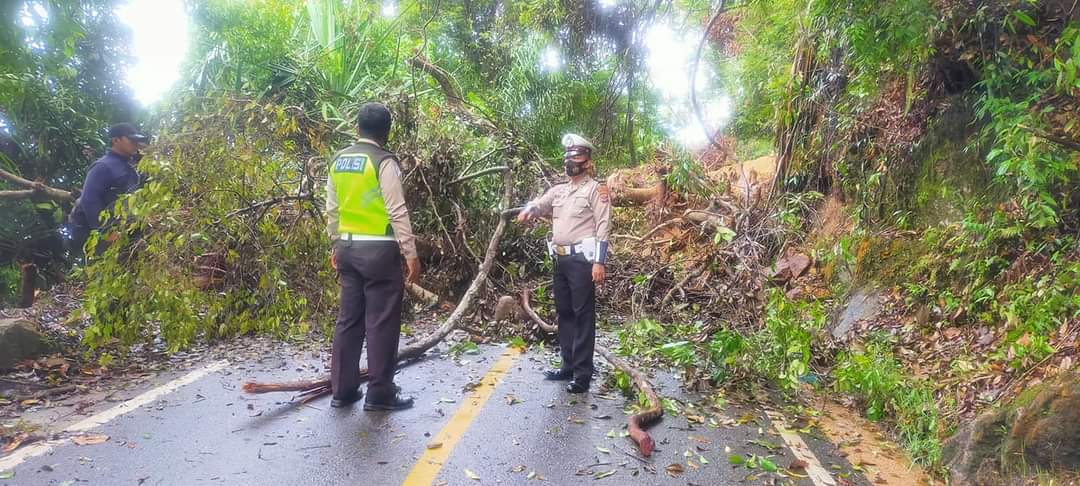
column 877, row 379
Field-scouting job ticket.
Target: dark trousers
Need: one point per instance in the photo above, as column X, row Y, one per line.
column 372, row 287
column 575, row 302
column 79, row 234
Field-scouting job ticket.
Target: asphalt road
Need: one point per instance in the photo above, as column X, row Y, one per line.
column 481, row 419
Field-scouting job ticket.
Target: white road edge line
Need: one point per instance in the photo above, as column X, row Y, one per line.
column 101, row 418
column 817, row 473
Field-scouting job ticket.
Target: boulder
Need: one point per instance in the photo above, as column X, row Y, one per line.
column 863, row 304
column 1037, row 432
column 21, row 339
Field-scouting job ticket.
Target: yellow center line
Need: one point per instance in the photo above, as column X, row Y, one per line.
column 431, row 462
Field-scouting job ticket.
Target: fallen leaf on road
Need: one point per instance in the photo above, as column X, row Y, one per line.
column 605, row 451
column 471, row 475
column 697, row 419
column 7, row 474
column 511, row 399
column 674, row 470
column 18, row 440
column 90, row 439
column 604, row 474
column 798, row 465
column 518, row 468
column 434, row 445
column 575, row 420
column 766, row 444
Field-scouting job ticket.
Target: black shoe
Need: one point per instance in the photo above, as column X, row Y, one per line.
column 558, row 375
column 346, row 401
column 398, row 402
column 576, row 386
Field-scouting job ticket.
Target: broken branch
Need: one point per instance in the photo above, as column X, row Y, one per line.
column 638, row 422
column 481, row 173
column 271, row 202
column 542, row 324
column 34, row 189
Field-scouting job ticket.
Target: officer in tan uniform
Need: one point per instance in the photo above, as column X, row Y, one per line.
column 581, row 218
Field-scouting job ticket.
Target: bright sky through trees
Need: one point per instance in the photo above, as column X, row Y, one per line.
column 670, row 60
column 160, row 31
column 160, row 39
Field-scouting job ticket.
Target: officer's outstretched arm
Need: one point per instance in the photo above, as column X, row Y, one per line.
column 538, row 207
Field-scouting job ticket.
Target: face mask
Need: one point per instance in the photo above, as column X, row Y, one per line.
column 573, row 168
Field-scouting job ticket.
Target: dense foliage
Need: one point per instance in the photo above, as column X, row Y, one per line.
column 62, row 83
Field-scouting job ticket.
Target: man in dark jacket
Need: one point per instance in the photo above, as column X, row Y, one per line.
column 108, row 177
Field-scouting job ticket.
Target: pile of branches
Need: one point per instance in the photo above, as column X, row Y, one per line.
column 705, row 254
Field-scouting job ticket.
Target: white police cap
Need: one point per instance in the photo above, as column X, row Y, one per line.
column 576, row 144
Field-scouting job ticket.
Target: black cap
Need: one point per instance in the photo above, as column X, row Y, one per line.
column 127, row 130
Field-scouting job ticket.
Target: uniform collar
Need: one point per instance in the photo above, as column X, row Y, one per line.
column 577, row 185
column 121, row 157
column 368, row 140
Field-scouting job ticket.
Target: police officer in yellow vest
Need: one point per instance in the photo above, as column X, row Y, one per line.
column 581, row 218
column 369, row 224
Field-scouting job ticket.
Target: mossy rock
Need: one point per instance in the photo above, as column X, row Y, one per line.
column 21, row 339
column 1038, row 432
column 952, row 175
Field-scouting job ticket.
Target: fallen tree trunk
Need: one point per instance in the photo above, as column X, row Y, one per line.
column 312, row 389
column 639, row 421
column 623, row 195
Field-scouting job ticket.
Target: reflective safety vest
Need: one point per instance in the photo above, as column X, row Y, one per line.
column 355, row 174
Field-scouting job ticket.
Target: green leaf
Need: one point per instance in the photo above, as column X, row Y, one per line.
column 7, row 474
column 736, row 459
column 1023, row 17
column 767, row 464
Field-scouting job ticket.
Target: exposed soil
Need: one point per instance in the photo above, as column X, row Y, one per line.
column 864, row 445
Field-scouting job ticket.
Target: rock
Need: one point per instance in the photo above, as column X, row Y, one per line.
column 861, row 305
column 21, row 339
column 790, row 268
column 1036, row 432
column 508, row 308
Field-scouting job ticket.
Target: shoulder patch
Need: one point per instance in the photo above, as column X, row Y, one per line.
column 605, row 193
